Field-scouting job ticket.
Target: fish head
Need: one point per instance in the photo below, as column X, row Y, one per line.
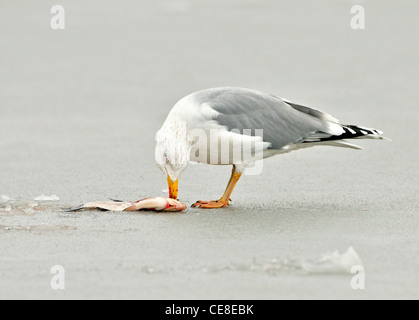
column 174, row 205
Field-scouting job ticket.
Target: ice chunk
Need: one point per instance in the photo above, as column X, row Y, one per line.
column 18, row 207
column 327, row 263
column 24, row 204
column 10, row 211
column 334, row 262
column 47, row 198
column 4, row 198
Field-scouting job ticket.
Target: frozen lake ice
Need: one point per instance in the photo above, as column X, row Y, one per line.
column 79, row 109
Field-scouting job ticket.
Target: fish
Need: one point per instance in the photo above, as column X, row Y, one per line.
column 161, row 204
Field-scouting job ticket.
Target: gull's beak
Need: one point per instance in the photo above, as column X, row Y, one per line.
column 173, row 187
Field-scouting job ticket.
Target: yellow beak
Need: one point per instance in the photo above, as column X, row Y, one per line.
column 173, row 188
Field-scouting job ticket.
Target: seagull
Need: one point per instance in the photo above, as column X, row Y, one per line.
column 239, row 127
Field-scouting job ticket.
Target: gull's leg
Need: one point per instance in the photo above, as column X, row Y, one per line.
column 223, row 202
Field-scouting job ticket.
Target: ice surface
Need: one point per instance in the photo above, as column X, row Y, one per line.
column 79, row 115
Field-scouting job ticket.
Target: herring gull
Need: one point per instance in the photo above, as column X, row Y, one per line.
column 238, row 127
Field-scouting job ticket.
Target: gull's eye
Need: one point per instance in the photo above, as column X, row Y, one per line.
column 166, row 158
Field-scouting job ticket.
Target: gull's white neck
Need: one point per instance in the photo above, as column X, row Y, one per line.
column 172, row 146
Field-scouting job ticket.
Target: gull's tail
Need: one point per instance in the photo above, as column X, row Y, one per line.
column 349, row 132
column 357, row 132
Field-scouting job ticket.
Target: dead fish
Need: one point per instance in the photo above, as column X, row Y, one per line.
column 154, row 204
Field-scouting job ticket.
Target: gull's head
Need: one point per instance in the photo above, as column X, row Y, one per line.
column 172, row 155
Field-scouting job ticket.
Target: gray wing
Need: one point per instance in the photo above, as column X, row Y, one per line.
column 283, row 122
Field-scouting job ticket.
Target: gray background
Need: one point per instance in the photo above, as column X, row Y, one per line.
column 79, row 109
